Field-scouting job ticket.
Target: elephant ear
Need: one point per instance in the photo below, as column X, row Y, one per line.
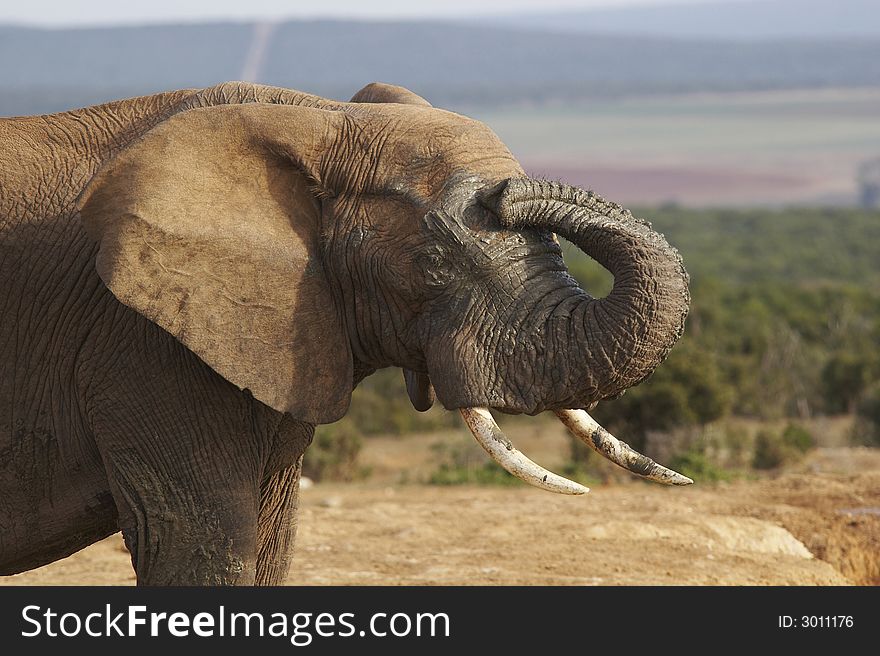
column 208, row 226
column 379, row 92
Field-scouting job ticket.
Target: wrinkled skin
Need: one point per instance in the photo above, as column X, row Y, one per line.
column 190, row 282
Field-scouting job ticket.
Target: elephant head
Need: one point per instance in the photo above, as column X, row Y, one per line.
column 296, row 249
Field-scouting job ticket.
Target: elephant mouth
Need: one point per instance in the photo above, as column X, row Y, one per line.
column 489, row 435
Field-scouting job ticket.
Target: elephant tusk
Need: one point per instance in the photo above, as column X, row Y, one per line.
column 489, row 435
column 620, row 453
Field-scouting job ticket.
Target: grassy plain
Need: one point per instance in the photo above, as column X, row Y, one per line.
column 732, row 149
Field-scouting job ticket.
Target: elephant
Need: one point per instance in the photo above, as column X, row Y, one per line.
column 191, row 281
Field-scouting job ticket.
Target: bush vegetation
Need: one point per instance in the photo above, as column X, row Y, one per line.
column 784, row 322
column 333, row 454
column 866, row 430
column 774, row 449
column 462, row 462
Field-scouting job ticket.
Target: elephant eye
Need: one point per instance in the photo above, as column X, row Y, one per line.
column 436, row 269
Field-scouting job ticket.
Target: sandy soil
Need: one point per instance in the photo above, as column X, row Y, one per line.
column 816, row 527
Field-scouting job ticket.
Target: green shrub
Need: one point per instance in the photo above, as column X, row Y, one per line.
column 769, row 451
column 463, row 462
column 333, row 455
column 686, row 390
column 798, row 438
column 697, row 466
column 774, row 449
column 844, row 378
column 380, row 406
column 585, row 465
column 735, row 443
column 866, row 429
column 486, row 474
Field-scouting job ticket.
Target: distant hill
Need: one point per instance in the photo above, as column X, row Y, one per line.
column 44, row 70
column 451, row 64
column 745, row 19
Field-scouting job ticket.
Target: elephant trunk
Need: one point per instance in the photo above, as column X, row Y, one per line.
column 617, row 341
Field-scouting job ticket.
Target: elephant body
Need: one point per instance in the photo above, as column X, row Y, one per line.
column 103, row 421
column 190, row 282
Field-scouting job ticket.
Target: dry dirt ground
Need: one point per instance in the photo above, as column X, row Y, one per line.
column 820, row 526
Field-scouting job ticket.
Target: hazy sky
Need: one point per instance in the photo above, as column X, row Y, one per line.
column 103, row 12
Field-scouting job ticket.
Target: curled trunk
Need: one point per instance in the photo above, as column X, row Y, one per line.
column 617, row 341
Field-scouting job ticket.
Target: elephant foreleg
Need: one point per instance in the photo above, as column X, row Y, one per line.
column 276, row 525
column 184, row 529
